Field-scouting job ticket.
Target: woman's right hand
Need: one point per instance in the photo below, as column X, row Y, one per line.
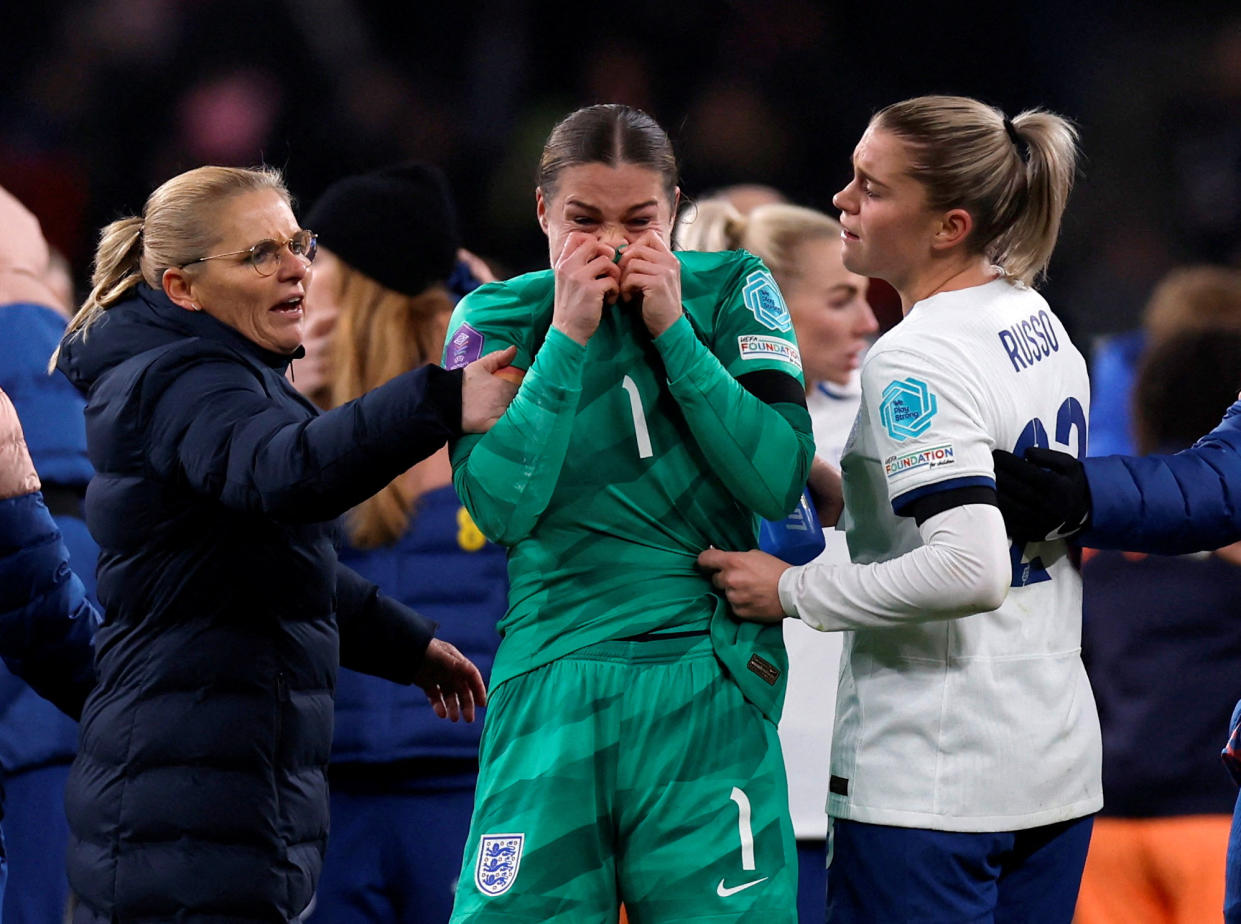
column 586, row 278
column 485, row 396
column 17, row 474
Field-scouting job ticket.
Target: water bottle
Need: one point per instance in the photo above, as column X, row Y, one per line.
column 797, row 538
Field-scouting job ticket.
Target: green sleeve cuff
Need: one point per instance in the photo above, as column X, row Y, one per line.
column 678, row 346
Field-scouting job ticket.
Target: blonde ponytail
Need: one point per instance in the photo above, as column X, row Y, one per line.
column 1049, row 159
column 117, row 270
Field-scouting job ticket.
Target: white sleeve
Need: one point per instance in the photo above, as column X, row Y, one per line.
column 928, row 428
column 963, row 568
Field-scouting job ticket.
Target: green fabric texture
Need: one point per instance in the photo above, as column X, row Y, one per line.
column 644, row 744
column 619, row 462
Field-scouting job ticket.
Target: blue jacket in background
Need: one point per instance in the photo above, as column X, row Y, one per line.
column 199, row 791
column 1189, row 501
column 1113, row 369
column 32, row 732
column 45, row 619
column 445, row 569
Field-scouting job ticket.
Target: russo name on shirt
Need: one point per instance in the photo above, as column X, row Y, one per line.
column 1030, row 340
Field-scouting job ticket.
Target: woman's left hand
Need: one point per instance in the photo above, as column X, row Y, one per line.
column 650, row 270
column 451, row 681
column 750, row 581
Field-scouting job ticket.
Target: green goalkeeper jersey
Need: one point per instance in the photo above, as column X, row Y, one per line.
column 619, row 462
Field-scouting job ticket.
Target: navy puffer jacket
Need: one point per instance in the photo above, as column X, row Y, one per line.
column 1189, row 501
column 199, row 790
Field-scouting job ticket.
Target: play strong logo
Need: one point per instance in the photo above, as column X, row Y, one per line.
column 931, row 457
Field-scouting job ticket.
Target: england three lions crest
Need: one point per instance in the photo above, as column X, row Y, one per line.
column 499, row 857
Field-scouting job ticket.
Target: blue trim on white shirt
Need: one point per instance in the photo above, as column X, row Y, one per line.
column 902, row 501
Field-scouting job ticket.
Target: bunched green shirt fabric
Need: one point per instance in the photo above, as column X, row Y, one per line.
column 620, row 461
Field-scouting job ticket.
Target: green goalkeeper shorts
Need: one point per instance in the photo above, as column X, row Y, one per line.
column 634, row 772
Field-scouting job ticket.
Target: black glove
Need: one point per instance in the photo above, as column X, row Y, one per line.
column 1043, row 496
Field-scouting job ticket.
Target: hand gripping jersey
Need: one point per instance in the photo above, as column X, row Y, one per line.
column 984, row 723
column 620, row 461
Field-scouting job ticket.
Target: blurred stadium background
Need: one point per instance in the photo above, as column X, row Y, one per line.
column 104, row 99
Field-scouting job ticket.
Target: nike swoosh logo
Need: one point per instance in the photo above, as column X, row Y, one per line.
column 723, row 892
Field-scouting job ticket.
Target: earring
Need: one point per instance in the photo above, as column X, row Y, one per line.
column 196, row 306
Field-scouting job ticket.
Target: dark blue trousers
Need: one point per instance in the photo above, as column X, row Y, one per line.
column 887, row 875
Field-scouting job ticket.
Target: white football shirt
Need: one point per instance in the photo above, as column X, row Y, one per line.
column 987, row 722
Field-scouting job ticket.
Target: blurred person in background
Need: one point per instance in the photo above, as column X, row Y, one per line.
column 1162, row 644
column 661, row 409
column 1193, row 297
column 199, row 790
column 948, row 683
column 37, row 741
column 378, row 307
column 46, row 623
column 834, row 324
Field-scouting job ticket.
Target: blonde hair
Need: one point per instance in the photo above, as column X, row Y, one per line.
column 380, row 334
column 1197, row 297
column 771, row 232
column 1012, row 176
column 176, row 226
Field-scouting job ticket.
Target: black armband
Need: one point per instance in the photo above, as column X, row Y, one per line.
column 773, row 387
column 927, row 506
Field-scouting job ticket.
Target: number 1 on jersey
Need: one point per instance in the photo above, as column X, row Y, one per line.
column 639, row 418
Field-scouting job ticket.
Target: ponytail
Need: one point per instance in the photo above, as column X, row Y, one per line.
column 1048, row 161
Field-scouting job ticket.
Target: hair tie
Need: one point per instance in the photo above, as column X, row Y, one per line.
column 1022, row 148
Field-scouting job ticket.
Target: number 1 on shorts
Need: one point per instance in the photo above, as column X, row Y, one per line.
column 743, row 828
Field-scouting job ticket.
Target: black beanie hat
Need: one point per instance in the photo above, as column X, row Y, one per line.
column 396, row 225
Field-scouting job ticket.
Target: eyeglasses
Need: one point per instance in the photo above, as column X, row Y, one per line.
column 265, row 255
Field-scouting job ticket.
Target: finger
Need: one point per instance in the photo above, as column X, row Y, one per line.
column 452, row 701
column 712, row 559
column 1019, row 491
column 478, row 689
column 436, row 698
column 1059, row 462
column 1005, row 461
column 498, row 359
column 576, row 245
column 602, row 268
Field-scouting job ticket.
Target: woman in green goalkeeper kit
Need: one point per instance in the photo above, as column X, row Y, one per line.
column 662, row 409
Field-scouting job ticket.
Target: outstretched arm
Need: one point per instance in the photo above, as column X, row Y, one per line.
column 46, row 622
column 962, row 568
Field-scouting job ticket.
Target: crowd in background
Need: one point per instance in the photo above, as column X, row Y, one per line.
column 107, row 98
column 115, row 96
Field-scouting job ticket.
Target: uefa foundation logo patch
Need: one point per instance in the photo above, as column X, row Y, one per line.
column 907, row 408
column 755, row 346
column 499, row 858
column 931, row 457
column 762, row 297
